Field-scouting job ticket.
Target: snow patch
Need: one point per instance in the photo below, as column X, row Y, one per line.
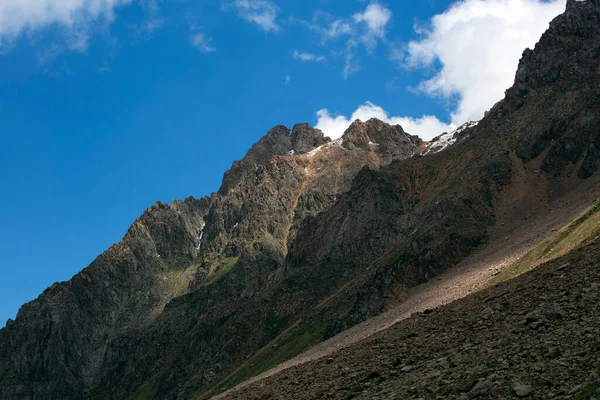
column 337, row 142
column 200, row 240
column 446, row 140
column 468, row 125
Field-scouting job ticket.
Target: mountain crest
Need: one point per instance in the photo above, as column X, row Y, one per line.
column 300, row 244
column 579, row 4
column 305, row 138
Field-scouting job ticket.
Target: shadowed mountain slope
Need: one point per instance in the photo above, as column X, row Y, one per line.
column 534, row 336
column 306, row 238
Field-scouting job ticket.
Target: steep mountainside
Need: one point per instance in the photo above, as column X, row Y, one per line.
column 63, row 344
column 308, row 237
column 532, row 337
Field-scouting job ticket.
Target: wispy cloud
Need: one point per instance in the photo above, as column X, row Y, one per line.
column 153, row 20
column 105, row 68
column 351, row 65
column 303, row 56
column 260, row 12
column 287, row 79
column 75, row 18
column 202, row 43
column 329, row 27
column 365, row 29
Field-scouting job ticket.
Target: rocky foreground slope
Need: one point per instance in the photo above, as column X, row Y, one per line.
column 306, row 238
column 536, row 336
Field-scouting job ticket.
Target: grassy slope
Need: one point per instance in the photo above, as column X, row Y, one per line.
column 579, row 232
column 225, row 265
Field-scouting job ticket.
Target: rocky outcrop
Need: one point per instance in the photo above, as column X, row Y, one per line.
column 304, row 138
column 564, row 69
column 279, row 141
column 55, row 348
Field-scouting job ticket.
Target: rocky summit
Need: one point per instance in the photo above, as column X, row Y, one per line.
column 308, row 239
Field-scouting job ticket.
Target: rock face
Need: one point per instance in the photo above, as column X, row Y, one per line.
column 56, row 346
column 305, row 238
column 279, row 141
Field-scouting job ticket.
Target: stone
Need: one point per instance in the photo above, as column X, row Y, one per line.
column 522, row 390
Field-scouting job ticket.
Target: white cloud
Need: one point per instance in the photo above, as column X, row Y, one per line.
column 260, row 12
column 202, row 43
column 337, row 28
column 426, row 127
column 327, row 26
column 75, row 18
column 351, row 65
column 376, row 17
column 302, row 56
column 287, row 79
column 478, row 44
column 153, row 20
column 366, row 28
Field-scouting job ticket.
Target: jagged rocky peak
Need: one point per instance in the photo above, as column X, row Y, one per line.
column 560, row 55
column 375, row 131
column 389, row 140
column 279, row 141
column 579, row 3
column 305, row 138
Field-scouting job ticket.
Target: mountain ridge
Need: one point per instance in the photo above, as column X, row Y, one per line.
column 295, row 248
column 175, row 248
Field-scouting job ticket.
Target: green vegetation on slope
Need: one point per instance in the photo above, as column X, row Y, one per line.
column 146, row 392
column 291, row 344
column 225, row 266
column 579, row 232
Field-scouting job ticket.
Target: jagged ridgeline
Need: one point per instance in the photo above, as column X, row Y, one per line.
column 307, row 237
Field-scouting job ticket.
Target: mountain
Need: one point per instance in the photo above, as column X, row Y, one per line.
column 308, row 237
column 220, row 250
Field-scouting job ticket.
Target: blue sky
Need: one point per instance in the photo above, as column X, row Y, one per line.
column 109, row 105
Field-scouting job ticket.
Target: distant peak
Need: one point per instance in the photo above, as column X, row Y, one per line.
column 279, row 130
column 306, row 138
column 577, row 4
